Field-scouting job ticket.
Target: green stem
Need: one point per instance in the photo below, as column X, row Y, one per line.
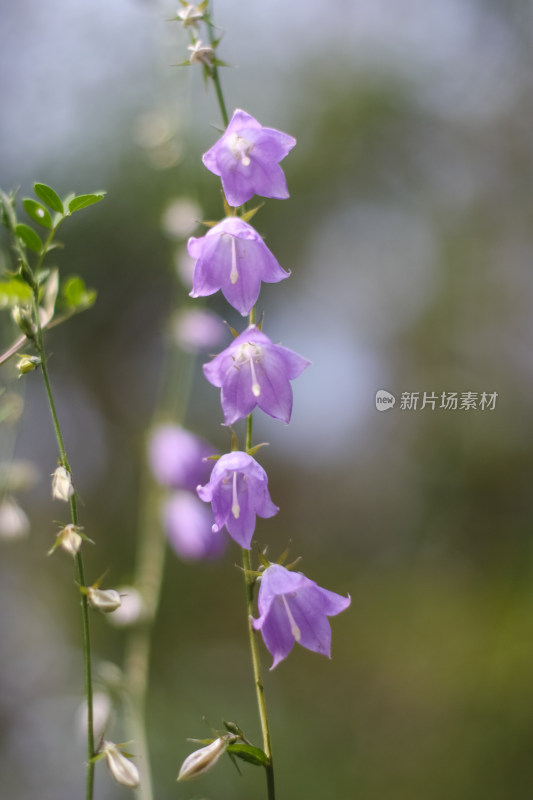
column 79, row 559
column 252, row 636
column 214, row 74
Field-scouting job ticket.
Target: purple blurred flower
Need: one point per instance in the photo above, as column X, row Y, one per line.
column 246, row 159
column 233, row 257
column 238, row 491
column 189, row 527
column 198, row 329
column 253, row 371
column 293, row 608
column 176, row 457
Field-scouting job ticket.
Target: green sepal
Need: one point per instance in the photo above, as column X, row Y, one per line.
column 75, row 294
column 233, row 331
column 14, row 291
column 85, row 200
column 253, row 450
column 29, row 237
column 253, row 755
column 182, row 64
column 214, row 457
column 247, row 216
column 229, row 211
column 49, row 196
column 233, row 728
column 37, row 212
column 234, row 441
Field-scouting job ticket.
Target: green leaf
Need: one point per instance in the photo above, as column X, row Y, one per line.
column 48, row 196
column 84, row 200
column 14, row 292
column 7, row 207
column 76, row 295
column 37, row 212
column 29, row 237
column 249, row 753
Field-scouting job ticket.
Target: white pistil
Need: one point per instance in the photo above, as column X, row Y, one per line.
column 235, row 507
column 295, row 630
column 240, row 148
column 256, row 389
column 234, row 274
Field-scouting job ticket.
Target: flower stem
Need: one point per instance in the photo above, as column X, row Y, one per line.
column 252, row 636
column 78, row 558
column 214, row 73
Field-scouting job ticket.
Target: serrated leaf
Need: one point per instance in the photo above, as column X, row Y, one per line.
column 48, row 196
column 29, row 237
column 76, row 294
column 253, row 755
column 37, row 212
column 84, row 200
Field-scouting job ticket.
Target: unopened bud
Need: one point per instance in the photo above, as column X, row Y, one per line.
column 190, row 15
column 69, row 539
column 14, row 523
column 62, row 488
column 22, row 317
column 201, row 54
column 121, row 768
column 202, row 760
column 105, row 600
column 131, row 609
column 27, row 364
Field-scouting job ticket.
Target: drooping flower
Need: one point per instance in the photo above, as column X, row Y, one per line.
column 121, row 768
column 293, row 608
column 189, row 528
column 238, row 492
column 247, row 158
column 202, row 760
column 253, row 371
column 233, row 257
column 177, row 457
column 62, row 488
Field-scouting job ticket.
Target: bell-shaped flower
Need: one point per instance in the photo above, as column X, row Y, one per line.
column 177, row 457
column 234, row 258
column 293, row 608
column 189, row 528
column 238, row 492
column 247, row 158
column 253, row 371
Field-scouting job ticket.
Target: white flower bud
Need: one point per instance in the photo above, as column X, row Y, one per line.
column 69, row 539
column 202, row 760
column 106, row 600
column 62, row 488
column 121, row 768
column 190, row 15
column 201, row 54
column 14, row 523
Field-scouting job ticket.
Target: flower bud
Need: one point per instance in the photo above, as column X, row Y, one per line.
column 190, row 15
column 121, row 768
column 27, row 364
column 202, row 760
column 62, row 488
column 105, row 600
column 22, row 317
column 201, row 54
column 69, row 539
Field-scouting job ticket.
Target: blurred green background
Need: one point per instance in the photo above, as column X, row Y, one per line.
column 409, row 233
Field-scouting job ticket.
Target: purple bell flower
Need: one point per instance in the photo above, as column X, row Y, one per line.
column 176, row 457
column 189, row 528
column 233, row 257
column 238, row 492
column 293, row 608
column 253, row 371
column 247, row 158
